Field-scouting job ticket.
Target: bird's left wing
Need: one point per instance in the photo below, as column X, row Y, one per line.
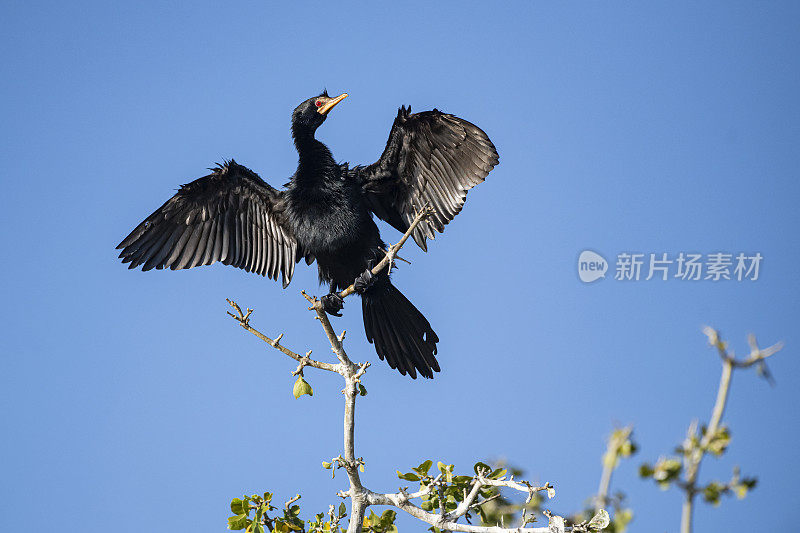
column 231, row 216
column 430, row 158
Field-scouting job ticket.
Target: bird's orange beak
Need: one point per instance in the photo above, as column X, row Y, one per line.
column 330, row 103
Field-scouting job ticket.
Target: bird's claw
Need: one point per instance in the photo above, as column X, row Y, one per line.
column 332, row 303
column 364, row 281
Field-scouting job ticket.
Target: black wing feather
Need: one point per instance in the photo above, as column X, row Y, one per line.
column 430, row 158
column 231, row 215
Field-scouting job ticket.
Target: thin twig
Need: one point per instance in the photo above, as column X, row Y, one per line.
column 290, row 501
column 610, row 459
column 244, row 321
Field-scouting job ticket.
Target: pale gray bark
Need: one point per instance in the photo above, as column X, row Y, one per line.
column 360, row 496
column 692, row 462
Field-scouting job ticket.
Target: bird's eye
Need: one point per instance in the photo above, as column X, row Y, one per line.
column 318, row 103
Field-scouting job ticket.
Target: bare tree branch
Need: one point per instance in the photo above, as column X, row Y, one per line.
column 695, row 454
column 360, row 496
column 244, row 321
column 610, row 459
column 401, row 500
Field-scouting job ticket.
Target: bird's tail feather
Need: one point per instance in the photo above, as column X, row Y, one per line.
column 401, row 334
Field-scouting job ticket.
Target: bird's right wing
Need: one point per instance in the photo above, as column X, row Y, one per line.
column 231, row 216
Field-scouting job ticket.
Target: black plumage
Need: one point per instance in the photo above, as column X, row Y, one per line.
column 325, row 214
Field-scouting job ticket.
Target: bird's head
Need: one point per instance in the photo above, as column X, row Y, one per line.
column 310, row 115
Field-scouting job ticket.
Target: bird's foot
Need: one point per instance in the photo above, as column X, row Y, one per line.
column 332, row 303
column 364, row 281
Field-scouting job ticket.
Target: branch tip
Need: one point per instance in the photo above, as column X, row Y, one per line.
column 290, row 501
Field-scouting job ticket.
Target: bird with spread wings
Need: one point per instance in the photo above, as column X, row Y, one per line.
column 325, row 214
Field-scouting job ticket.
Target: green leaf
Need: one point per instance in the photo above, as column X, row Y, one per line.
column 712, row 492
column 301, row 387
column 370, row 520
column 719, row 441
column 362, row 390
column 744, row 486
column 387, row 518
column 237, row 522
column 342, row 509
column 600, row 520
column 239, row 506
column 446, row 470
column 497, row 474
column 408, row 477
column 424, row 467
column 666, row 470
column 481, row 467
column 628, row 448
column 622, row 518
column 326, row 465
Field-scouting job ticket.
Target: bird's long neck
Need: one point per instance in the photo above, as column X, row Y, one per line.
column 316, row 164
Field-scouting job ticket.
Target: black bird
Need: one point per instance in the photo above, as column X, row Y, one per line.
column 325, row 214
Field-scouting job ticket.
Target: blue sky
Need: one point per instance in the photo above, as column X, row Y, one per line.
column 131, row 399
